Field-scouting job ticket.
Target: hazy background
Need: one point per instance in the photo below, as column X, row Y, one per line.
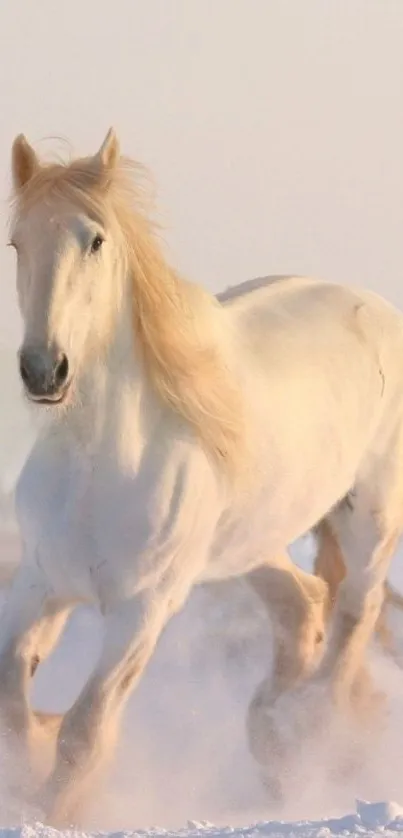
column 274, row 131
column 273, row 128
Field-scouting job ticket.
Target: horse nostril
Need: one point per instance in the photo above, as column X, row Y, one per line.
column 24, row 369
column 61, row 371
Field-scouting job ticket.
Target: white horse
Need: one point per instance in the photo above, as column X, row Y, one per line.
column 187, row 439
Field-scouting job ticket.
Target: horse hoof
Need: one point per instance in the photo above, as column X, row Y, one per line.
column 274, row 787
column 280, row 729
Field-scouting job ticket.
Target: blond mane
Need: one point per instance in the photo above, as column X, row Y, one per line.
column 175, row 322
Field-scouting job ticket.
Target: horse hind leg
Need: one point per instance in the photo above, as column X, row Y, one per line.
column 296, row 603
column 367, row 526
column 301, row 606
column 329, row 565
column 366, row 702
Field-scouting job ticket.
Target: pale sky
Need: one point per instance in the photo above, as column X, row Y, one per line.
column 273, row 128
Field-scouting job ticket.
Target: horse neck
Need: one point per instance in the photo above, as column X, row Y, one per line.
column 119, row 406
column 116, row 408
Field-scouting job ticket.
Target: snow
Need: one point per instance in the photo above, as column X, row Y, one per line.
column 183, row 752
column 383, row 818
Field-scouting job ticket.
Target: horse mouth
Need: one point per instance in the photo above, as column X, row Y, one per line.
column 54, row 400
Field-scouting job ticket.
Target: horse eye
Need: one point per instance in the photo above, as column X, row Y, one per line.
column 96, row 243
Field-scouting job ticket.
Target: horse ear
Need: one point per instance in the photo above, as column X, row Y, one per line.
column 24, row 161
column 109, row 153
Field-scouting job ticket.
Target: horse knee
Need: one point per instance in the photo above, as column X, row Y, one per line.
column 132, row 669
column 35, row 661
column 311, row 634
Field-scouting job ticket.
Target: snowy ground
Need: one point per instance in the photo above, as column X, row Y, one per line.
column 382, row 818
column 183, row 752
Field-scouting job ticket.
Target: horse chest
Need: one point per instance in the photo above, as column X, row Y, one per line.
column 84, row 526
column 100, row 535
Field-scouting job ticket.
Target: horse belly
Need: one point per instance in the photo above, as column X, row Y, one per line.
column 283, row 511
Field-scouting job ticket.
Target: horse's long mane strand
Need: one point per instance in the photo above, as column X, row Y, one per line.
column 175, row 322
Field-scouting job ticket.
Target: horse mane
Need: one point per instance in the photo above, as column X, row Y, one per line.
column 176, row 324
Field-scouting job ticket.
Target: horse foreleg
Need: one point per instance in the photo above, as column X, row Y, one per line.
column 89, row 729
column 47, row 632
column 43, row 640
column 19, row 621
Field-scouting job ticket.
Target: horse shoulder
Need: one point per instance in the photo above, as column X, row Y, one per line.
column 184, row 486
column 37, row 478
